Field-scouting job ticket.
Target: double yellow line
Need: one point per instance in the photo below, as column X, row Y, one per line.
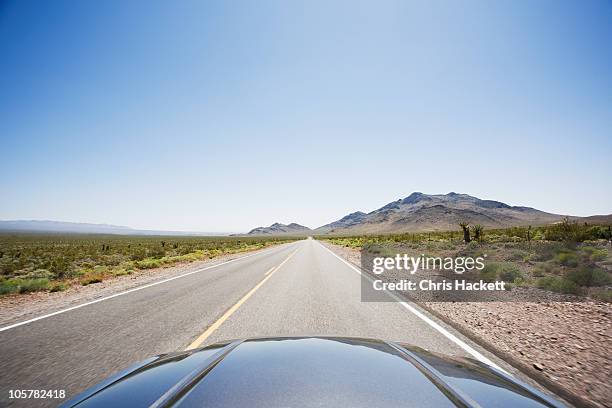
column 198, row 342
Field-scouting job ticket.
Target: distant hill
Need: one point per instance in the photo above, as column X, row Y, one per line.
column 46, row 226
column 61, row 226
column 278, row 228
column 439, row 212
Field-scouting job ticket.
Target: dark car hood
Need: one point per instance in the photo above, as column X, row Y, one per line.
column 311, row 372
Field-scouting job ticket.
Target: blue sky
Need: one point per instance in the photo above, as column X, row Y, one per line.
column 222, row 116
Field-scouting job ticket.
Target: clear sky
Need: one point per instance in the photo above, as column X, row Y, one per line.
column 223, row 116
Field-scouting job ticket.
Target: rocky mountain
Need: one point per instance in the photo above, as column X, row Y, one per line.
column 347, row 221
column 438, row 212
column 278, row 228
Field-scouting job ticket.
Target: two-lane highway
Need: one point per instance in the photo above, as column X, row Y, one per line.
column 294, row 289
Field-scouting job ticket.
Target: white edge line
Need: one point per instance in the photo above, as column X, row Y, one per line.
column 129, row 291
column 426, row 319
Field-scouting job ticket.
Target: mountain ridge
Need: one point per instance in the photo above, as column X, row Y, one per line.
column 277, row 229
column 434, row 212
column 418, row 212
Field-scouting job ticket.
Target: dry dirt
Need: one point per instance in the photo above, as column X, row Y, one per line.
column 567, row 342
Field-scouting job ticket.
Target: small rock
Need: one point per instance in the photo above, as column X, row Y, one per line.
column 538, row 366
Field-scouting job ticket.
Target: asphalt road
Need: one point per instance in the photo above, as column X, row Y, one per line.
column 294, row 289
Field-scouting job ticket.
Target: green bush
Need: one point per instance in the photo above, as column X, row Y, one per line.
column 508, row 272
column 138, row 254
column 588, row 276
column 543, row 269
column 600, row 277
column 8, row 286
column 556, row 284
column 568, row 231
column 545, row 251
column 489, row 273
column 38, row 274
column 58, row 287
column 148, row 264
column 88, row 280
column 23, row 285
column 157, row 252
column 595, row 254
column 517, row 255
column 61, row 267
column 120, row 271
column 567, row 258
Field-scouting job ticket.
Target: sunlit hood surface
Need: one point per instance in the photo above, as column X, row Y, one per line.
column 310, row 372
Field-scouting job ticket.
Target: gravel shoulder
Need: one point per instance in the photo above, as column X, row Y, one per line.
column 557, row 341
column 20, row 307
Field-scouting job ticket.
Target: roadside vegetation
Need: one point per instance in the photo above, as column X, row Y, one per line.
column 567, row 257
column 50, row 262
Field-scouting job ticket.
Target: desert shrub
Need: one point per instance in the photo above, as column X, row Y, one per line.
column 489, row 272
column 8, row 286
column 594, row 254
column 112, row 259
column 543, row 269
column 567, row 258
column 101, row 269
column 605, row 295
column 23, row 285
column 569, row 231
column 7, row 266
column 157, row 252
column 120, row 271
column 447, row 246
column 600, row 277
column 509, row 272
column 61, row 267
column 38, row 274
column 545, row 251
column 517, row 255
column 148, row 264
column 138, row 254
column 89, row 279
column 557, row 284
column 58, row 287
column 588, row 276
column 505, row 271
column 33, row 285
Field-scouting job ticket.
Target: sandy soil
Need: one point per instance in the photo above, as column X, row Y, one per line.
column 568, row 343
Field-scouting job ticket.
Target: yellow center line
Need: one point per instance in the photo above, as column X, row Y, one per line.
column 269, row 270
column 197, row 342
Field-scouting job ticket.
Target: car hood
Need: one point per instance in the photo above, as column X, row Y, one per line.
column 311, row 372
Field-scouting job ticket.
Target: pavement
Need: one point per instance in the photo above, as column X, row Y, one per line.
column 295, row 289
